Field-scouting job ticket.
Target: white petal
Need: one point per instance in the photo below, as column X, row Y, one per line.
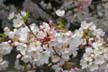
column 60, row 12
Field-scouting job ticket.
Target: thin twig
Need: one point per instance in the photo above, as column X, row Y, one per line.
column 30, row 29
column 56, row 52
column 47, row 12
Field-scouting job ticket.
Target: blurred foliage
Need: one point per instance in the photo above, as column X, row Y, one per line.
column 16, row 3
column 2, row 37
column 55, row 4
column 74, row 25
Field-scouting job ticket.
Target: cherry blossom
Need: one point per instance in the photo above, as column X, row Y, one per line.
column 60, row 13
column 46, row 45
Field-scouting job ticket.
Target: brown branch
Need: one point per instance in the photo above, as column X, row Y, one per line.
column 36, row 68
column 56, row 52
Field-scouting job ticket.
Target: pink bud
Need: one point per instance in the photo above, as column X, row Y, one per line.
column 9, row 41
column 50, row 21
column 69, row 34
column 16, row 43
column 6, row 29
column 18, row 56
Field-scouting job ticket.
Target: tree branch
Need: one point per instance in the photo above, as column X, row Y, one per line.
column 56, row 52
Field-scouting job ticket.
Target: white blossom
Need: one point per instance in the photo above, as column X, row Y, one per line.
column 5, row 48
column 18, row 66
column 23, row 13
column 44, row 58
column 57, row 68
column 11, row 15
column 34, row 28
column 45, row 27
column 47, row 44
column 23, row 34
column 22, row 48
column 26, row 58
column 41, row 35
column 18, row 22
column 60, row 12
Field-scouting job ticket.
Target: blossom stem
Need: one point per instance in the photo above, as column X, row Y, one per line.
column 30, row 29
column 56, row 52
column 25, row 68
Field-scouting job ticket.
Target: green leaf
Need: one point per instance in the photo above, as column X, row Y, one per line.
column 25, row 18
column 60, row 24
column 2, row 37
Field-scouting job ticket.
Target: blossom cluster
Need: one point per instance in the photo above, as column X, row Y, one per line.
column 96, row 47
column 51, row 46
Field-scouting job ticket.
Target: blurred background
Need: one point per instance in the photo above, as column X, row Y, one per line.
column 44, row 10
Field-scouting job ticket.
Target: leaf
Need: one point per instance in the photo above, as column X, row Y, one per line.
column 2, row 37
column 68, row 65
column 25, row 18
column 60, row 24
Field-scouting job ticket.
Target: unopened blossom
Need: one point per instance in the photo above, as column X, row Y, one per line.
column 16, row 43
column 69, row 34
column 18, row 56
